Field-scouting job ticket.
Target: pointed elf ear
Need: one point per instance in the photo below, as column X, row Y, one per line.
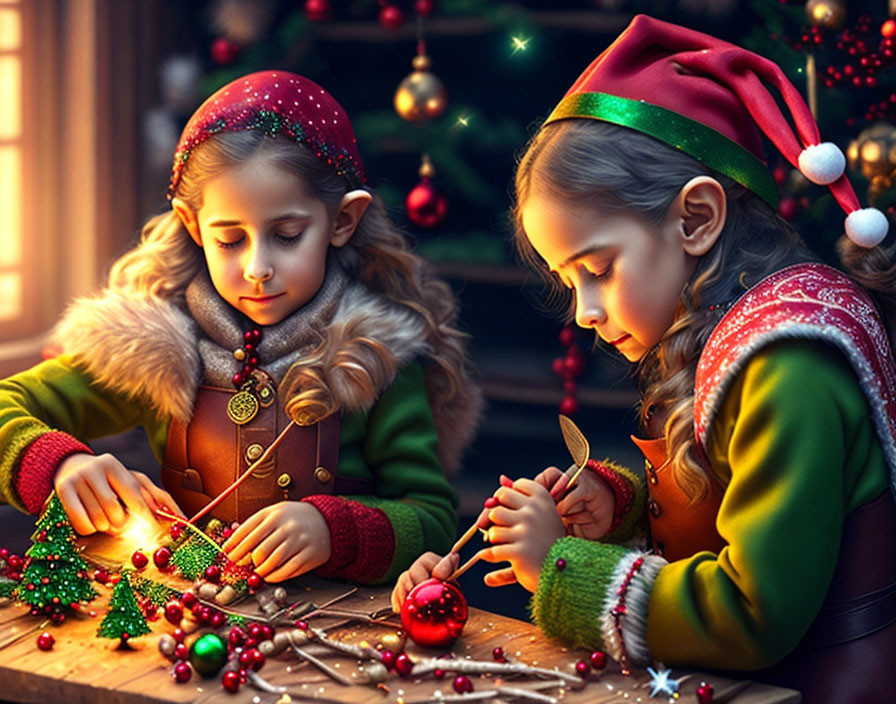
column 351, row 209
column 701, row 208
column 188, row 218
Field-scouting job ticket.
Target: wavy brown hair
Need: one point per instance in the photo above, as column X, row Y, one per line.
column 597, row 165
column 378, row 254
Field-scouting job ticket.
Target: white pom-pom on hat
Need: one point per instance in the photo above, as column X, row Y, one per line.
column 867, row 227
column 822, row 163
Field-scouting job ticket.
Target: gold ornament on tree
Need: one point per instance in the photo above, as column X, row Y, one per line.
column 830, row 14
column 421, row 95
column 873, row 154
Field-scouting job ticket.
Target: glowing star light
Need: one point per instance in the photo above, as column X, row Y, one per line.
column 661, row 681
column 520, row 44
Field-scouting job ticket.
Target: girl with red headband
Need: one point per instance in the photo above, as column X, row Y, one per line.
column 274, row 297
column 768, row 385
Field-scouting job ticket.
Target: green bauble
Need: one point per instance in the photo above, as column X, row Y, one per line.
column 208, row 655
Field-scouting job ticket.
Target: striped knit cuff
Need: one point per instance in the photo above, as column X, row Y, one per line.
column 630, row 500
column 361, row 539
column 38, row 466
column 624, row 613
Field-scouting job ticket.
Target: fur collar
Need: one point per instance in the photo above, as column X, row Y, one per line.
column 147, row 348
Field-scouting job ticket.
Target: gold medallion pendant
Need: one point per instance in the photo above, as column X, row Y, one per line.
column 242, row 407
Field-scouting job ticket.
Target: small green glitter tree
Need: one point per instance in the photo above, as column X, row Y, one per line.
column 193, row 555
column 124, row 619
column 55, row 576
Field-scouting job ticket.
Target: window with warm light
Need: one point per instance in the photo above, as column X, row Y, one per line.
column 11, row 305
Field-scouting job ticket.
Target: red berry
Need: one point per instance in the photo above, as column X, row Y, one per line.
column 255, row 630
column 258, row 659
column 575, row 365
column 139, row 559
column 57, row 617
column 388, row 658
column 204, row 615
column 498, row 655
column 598, row 660
column 213, row 573
column 705, row 693
column 582, row 668
column 462, row 684
column 317, row 10
column 180, row 635
column 236, row 637
column 438, row 674
column 569, row 405
column 182, row 672
column 188, row 599
column 424, row 8
column 162, row 556
column 231, row 681
column 403, row 664
column 254, row 581
column 181, row 652
column 888, row 28
column 45, row 641
column 567, row 336
column 558, row 366
column 226, row 532
column 245, row 658
column 391, row 17
column 302, row 625
column 4, row 553
column 174, row 612
column 15, row 562
column 224, row 51
column 176, row 530
column 218, row 620
column 265, row 632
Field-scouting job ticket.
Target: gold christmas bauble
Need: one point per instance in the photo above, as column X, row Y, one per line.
column 421, row 95
column 873, row 152
column 830, row 14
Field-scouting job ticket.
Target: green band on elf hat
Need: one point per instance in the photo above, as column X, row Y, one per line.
column 705, row 144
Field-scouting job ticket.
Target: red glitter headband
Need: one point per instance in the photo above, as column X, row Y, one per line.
column 275, row 102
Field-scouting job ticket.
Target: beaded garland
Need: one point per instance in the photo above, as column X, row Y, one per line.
column 619, row 611
column 275, row 102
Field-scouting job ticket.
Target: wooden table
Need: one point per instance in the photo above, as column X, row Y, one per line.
column 84, row 669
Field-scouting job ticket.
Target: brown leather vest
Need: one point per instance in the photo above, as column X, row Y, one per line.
column 207, row 455
column 849, row 652
column 678, row 528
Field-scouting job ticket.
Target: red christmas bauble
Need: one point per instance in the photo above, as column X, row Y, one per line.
column 317, row 10
column 45, row 641
column 224, row 51
column 162, row 556
column 231, row 681
column 426, row 207
column 391, row 16
column 434, row 613
column 254, row 581
column 139, row 560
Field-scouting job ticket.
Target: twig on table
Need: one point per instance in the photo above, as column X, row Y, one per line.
column 259, row 682
column 319, row 664
column 303, row 606
column 424, row 667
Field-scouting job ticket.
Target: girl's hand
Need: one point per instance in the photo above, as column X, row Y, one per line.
column 90, row 487
column 427, row 565
column 587, row 510
column 526, row 525
column 285, row 540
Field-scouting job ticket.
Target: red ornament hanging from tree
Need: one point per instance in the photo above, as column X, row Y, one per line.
column 434, row 613
column 224, row 51
column 424, row 8
column 317, row 10
column 426, row 207
column 568, row 368
column 391, row 16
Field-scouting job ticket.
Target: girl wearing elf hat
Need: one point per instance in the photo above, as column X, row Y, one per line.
column 768, row 385
column 274, row 293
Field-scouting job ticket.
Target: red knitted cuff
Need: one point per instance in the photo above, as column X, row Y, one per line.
column 622, row 490
column 376, row 544
column 361, row 538
column 340, row 520
column 38, row 466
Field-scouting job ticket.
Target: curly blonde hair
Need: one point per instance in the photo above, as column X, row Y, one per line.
column 166, row 260
column 597, row 165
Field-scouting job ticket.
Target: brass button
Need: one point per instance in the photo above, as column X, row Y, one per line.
column 239, row 354
column 654, row 508
column 284, row 480
column 254, row 451
column 322, row 475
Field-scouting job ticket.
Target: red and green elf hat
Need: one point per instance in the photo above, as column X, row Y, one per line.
column 709, row 99
column 275, row 102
